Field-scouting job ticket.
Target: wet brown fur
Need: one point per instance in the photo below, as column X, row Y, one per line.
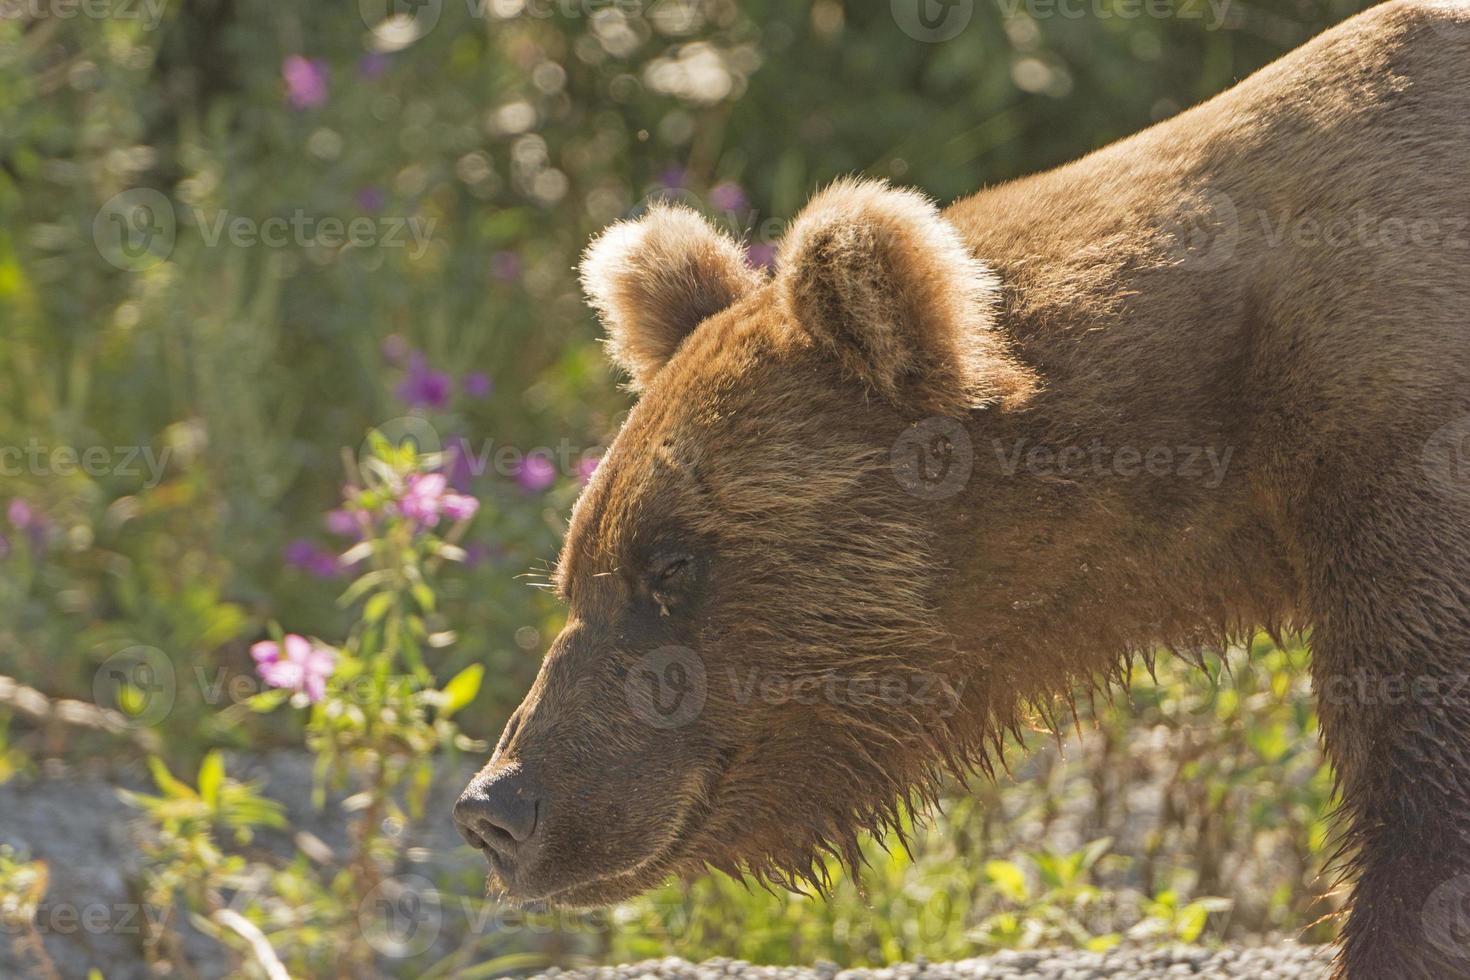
column 1062, row 310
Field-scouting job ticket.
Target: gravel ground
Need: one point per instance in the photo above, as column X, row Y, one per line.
column 1287, row 961
column 92, row 916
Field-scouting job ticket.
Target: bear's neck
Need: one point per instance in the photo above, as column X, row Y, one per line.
column 1121, row 506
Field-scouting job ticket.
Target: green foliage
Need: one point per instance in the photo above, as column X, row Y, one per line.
column 378, row 725
column 218, row 375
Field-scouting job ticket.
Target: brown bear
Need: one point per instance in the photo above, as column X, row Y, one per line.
column 941, row 469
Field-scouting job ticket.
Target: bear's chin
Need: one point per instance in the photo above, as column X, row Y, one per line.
column 593, row 893
column 601, row 889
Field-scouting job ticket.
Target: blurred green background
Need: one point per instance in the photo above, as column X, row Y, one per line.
column 178, row 296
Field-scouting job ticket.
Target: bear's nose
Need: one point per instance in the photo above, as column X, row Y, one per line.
column 500, row 813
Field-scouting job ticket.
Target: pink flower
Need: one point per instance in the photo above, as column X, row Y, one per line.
column 20, row 514
column 423, row 497
column 344, row 523
column 458, row 507
column 536, row 473
column 760, row 256
column 728, row 197
column 302, row 666
column 23, row 517
column 427, row 498
column 306, row 81
column 586, row 466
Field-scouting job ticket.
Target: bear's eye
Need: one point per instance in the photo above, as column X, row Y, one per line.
column 672, row 571
column 671, row 580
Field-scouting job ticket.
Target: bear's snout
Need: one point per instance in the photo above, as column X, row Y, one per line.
column 499, row 813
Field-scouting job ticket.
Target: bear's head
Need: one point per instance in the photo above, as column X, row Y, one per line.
column 756, row 666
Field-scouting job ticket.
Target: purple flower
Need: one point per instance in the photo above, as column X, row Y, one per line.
column 374, row 64
column 298, row 552
column 478, row 553
column 312, row 558
column 424, row 387
column 672, row 177
column 371, row 198
column 728, row 197
column 324, row 564
column 306, row 81
column 20, row 514
column 586, row 466
column 23, row 517
column 505, row 266
column 760, row 256
column 344, row 523
column 477, row 384
column 302, row 665
column 460, row 465
column 535, row 473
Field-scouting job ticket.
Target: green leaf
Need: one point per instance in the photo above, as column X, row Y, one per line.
column 165, row 781
column 1094, row 851
column 1191, row 922
column 362, row 586
column 1008, row 879
column 211, row 777
column 268, row 700
column 461, row 690
column 377, row 607
column 424, row 596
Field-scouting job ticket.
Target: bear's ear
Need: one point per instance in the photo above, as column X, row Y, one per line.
column 883, row 281
column 655, row 279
